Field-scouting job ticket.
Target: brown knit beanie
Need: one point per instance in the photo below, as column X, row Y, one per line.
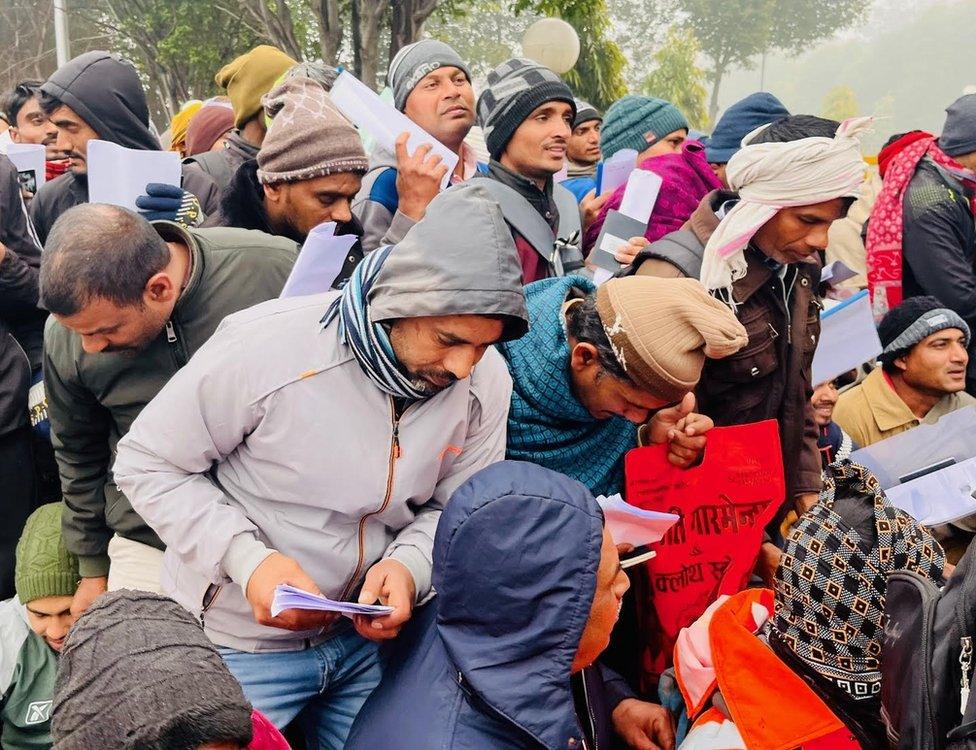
column 308, row 136
column 662, row 329
column 251, row 75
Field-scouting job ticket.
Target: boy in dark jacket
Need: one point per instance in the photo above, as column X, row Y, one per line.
column 98, row 96
column 502, row 657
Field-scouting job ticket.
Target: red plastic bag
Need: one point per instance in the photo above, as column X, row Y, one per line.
column 724, row 504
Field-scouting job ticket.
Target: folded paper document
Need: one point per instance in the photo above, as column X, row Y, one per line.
column 632, row 525
column 289, row 597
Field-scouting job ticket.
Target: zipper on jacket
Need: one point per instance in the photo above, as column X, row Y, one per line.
column 966, row 663
column 170, row 332
column 179, row 356
column 394, row 455
column 589, row 714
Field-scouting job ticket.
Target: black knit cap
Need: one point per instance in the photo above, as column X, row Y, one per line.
column 137, row 671
column 913, row 320
column 515, row 89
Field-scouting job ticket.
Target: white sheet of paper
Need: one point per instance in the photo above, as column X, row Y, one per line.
column 5, row 141
column 952, row 437
column 640, row 195
column 611, row 244
column 629, row 524
column 319, row 261
column 617, row 169
column 28, row 157
column 848, row 338
column 289, row 597
column 119, row 175
column 601, row 276
column 385, row 123
column 836, row 273
column 940, row 497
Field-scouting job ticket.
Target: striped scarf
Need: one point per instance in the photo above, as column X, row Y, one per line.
column 369, row 341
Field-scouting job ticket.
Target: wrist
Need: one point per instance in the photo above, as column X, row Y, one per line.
column 93, row 566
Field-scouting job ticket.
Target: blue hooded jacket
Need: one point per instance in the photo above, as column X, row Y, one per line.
column 487, row 663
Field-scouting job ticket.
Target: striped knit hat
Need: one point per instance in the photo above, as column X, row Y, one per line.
column 515, row 89
column 44, row 567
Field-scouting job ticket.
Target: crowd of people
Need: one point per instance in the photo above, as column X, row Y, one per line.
column 178, row 439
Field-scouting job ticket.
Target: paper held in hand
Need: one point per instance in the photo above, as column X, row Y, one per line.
column 28, row 158
column 631, row 525
column 289, row 597
column 368, row 112
column 118, row 175
column 319, row 262
column 848, row 338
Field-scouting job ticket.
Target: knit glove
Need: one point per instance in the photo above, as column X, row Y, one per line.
column 169, row 203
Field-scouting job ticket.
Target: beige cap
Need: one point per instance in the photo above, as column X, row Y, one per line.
column 661, row 330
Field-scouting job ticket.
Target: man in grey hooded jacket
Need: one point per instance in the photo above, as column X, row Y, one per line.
column 319, row 452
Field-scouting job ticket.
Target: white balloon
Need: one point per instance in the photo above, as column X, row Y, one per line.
column 552, row 42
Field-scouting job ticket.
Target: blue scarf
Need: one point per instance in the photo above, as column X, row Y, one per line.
column 547, row 425
column 369, row 341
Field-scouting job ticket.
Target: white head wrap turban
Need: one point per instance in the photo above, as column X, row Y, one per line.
column 771, row 176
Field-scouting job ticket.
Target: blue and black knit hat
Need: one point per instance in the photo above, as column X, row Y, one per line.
column 515, row 89
column 915, row 319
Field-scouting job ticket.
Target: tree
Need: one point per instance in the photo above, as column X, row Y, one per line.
column 598, row 74
column 840, row 103
column 677, row 77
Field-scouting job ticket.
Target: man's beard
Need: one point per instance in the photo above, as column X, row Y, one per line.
column 419, row 381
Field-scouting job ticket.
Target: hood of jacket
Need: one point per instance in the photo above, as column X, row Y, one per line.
column 105, row 91
column 514, row 597
column 460, row 259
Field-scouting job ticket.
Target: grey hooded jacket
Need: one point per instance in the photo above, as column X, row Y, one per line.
column 273, row 438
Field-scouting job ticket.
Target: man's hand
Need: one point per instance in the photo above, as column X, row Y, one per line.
column 625, row 254
column 683, row 430
column 590, row 206
column 274, row 569
column 163, row 202
column 88, row 591
column 644, row 726
column 769, row 557
column 387, row 582
column 804, row 502
column 418, row 178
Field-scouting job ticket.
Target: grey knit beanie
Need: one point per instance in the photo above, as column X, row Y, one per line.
column 417, row 60
column 959, row 132
column 138, row 673
column 585, row 112
column 916, row 318
column 515, row 89
column 308, row 136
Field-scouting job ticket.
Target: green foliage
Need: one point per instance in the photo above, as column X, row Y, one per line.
column 840, row 103
column 598, row 75
column 677, row 78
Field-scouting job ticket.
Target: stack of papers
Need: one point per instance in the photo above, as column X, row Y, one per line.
column 615, row 171
column 118, row 175
column 289, row 597
column 629, row 524
column 319, row 262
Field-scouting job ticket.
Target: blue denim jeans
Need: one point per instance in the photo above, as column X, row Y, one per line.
column 325, row 686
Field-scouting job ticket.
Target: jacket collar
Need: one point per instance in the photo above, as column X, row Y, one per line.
column 173, row 232
column 887, row 409
column 541, row 200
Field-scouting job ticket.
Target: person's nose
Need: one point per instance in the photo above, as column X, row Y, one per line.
column 341, row 211
column 461, row 360
column 817, row 239
column 959, row 354
column 93, row 344
column 62, row 143
column 637, row 416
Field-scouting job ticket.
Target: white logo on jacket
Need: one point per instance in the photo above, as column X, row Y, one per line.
column 38, row 712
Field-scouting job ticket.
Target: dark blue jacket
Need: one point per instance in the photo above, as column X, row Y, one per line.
column 487, row 663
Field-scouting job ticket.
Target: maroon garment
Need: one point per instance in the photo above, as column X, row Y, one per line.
column 687, row 179
column 534, row 266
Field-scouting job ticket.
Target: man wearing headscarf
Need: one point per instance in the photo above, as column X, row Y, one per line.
column 791, row 179
column 319, row 439
column 922, row 236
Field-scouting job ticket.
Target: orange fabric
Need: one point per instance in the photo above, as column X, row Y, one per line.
column 772, row 707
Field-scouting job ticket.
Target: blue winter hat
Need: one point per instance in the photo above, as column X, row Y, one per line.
column 738, row 121
column 637, row 122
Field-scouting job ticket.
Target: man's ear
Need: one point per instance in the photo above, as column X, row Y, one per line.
column 901, row 362
column 274, row 193
column 14, row 133
column 160, row 288
column 584, row 356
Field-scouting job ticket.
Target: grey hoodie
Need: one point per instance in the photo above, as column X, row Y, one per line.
column 273, row 438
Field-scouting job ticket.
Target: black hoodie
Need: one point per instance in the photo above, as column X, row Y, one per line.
column 104, row 90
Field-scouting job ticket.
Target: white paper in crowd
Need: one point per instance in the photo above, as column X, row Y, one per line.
column 616, row 170
column 940, row 497
column 640, row 195
column 951, row 440
column 119, row 175
column 361, row 105
column 629, row 524
column 5, row 141
column 836, row 273
column 319, row 261
column 29, row 157
column 289, row 597
column 601, row 276
column 848, row 338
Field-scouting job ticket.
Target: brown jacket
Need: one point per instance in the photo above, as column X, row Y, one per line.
column 770, row 377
